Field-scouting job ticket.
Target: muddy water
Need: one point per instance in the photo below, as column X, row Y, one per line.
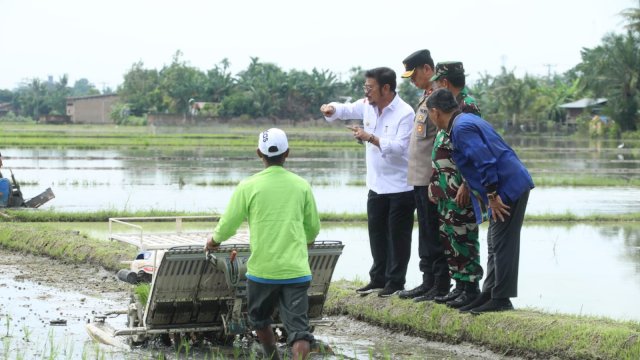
column 45, row 305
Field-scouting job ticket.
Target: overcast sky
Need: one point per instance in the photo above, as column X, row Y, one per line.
column 101, row 40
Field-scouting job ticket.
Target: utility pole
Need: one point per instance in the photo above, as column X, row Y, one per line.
column 549, row 66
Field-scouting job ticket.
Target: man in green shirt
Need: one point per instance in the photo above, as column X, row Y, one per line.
column 283, row 221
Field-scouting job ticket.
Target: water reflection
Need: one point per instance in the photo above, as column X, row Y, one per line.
column 184, row 180
column 334, row 199
column 574, row 268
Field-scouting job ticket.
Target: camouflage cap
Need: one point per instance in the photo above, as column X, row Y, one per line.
column 444, row 69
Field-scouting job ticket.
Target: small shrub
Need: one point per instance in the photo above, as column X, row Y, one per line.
column 11, row 117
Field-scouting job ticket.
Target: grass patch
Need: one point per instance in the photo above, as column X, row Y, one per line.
column 66, row 245
column 569, row 217
column 24, row 215
column 27, row 215
column 111, row 136
column 586, row 181
column 526, row 333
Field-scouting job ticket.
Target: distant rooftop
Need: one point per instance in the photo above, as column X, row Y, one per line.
column 584, row 103
column 91, row 96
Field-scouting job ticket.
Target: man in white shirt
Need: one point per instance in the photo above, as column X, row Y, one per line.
column 388, row 122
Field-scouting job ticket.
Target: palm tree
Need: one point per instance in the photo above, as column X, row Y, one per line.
column 513, row 95
column 612, row 70
column 633, row 16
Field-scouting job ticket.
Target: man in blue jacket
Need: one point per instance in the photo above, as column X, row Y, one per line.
column 500, row 186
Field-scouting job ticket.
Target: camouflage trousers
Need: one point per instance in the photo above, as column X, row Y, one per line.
column 459, row 236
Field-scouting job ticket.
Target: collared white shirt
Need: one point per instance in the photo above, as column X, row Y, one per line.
column 386, row 165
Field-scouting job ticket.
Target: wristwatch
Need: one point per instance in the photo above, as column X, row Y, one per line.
column 492, row 195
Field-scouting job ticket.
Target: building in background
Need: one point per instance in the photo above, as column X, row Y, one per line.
column 95, row 109
column 579, row 107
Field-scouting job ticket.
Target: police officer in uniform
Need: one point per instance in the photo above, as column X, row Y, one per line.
column 419, row 67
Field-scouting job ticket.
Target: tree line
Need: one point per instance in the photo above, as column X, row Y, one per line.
column 610, row 70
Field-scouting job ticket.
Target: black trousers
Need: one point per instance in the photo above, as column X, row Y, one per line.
column 433, row 262
column 503, row 245
column 390, row 218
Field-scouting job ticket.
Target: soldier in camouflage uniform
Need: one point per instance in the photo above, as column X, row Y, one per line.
column 457, row 221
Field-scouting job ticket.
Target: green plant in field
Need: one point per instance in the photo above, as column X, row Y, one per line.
column 68, row 350
column 236, row 352
column 6, row 347
column 142, row 292
column 27, row 333
column 54, row 349
column 184, row 344
column 7, row 323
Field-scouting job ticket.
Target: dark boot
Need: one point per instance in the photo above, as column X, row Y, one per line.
column 415, row 292
column 428, row 280
column 480, row 300
column 457, row 291
column 427, row 283
column 493, row 305
column 470, row 293
column 440, row 288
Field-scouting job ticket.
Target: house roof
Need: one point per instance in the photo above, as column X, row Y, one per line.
column 584, row 103
column 91, row 97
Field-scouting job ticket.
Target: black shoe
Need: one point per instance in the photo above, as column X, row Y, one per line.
column 457, row 291
column 431, row 294
column 464, row 299
column 389, row 290
column 480, row 300
column 371, row 287
column 493, row 305
column 415, row 292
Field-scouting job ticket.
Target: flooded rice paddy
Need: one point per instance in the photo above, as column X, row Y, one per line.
column 584, row 269
column 203, row 180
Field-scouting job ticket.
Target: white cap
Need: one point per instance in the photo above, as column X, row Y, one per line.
column 272, row 142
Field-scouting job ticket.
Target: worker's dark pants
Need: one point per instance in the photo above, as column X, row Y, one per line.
column 390, row 218
column 433, row 262
column 503, row 244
